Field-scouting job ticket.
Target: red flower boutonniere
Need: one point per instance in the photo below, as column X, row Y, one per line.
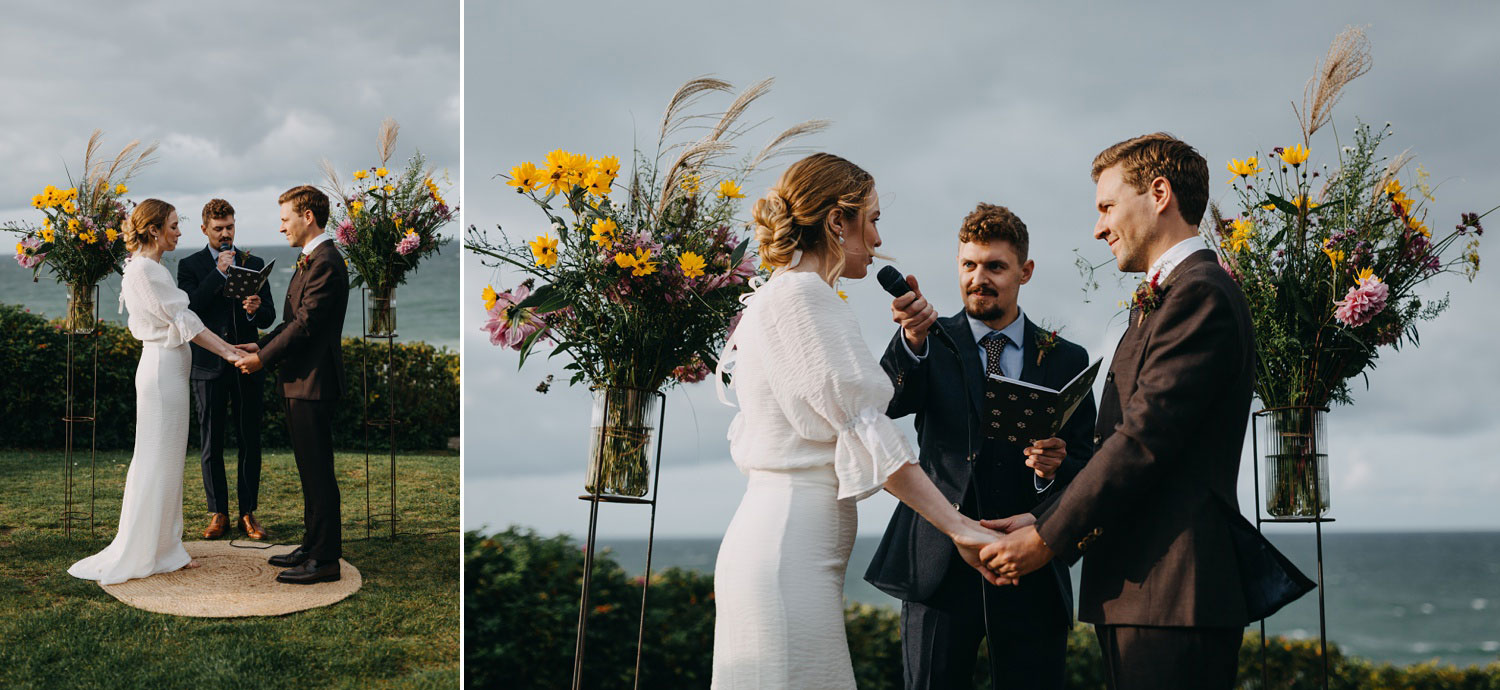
column 303, row 261
column 1046, row 341
column 1147, row 297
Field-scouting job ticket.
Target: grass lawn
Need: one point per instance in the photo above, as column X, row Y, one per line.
column 399, row 630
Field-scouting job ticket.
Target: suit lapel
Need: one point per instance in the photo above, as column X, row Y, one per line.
column 1031, row 370
column 957, row 327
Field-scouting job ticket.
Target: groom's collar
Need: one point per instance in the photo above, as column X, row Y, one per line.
column 314, row 242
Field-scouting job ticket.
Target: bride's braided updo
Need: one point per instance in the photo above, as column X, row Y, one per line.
column 794, row 214
column 145, row 224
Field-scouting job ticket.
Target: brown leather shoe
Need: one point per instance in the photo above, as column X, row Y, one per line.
column 218, row 524
column 251, row 528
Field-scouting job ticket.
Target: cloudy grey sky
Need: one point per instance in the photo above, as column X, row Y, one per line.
column 948, row 104
column 244, row 98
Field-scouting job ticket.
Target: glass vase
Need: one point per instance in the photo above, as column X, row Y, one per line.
column 622, row 441
column 83, row 309
column 381, row 318
column 1293, row 441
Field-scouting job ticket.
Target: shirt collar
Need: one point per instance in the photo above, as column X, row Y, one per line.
column 1016, row 331
column 314, row 242
column 1170, row 258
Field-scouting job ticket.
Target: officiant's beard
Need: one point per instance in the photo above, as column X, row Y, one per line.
column 987, row 311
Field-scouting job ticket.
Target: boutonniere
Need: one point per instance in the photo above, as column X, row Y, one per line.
column 1147, row 297
column 303, row 261
column 1046, row 341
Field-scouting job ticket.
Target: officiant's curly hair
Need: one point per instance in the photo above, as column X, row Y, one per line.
column 216, row 209
column 990, row 223
column 794, row 213
column 145, row 224
column 1150, row 156
column 307, row 198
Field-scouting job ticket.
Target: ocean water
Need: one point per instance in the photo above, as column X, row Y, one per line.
column 426, row 305
column 1398, row 597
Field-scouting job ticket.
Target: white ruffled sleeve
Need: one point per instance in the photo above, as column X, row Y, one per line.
column 168, row 305
column 830, row 387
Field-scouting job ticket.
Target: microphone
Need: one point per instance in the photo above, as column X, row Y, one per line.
column 894, row 283
column 225, row 246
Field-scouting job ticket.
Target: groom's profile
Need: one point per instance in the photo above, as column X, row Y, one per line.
column 306, row 348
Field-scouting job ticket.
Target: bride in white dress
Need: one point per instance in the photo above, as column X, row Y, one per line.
column 812, row 438
column 149, row 539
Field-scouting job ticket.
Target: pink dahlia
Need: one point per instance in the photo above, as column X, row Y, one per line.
column 692, row 372
column 408, row 244
column 344, row 233
column 508, row 326
column 25, row 255
column 1363, row 302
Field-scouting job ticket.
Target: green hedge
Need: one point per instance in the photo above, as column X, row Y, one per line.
column 33, row 358
column 521, row 615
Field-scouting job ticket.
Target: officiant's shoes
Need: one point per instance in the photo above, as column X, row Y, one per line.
column 251, row 527
column 290, row 560
column 218, row 524
column 310, row 572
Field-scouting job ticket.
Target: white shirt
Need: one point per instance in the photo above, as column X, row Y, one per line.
column 1170, row 258
column 810, row 392
column 314, row 242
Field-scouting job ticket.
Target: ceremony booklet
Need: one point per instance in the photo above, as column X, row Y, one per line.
column 1024, row 413
column 244, row 282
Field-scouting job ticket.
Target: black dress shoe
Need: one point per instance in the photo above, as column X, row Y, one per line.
column 288, row 560
column 310, row 572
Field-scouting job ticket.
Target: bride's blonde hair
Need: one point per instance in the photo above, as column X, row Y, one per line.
column 795, row 213
column 145, row 224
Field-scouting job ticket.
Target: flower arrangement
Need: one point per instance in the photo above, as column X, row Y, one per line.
column 1330, row 262
column 80, row 238
column 386, row 223
column 637, row 283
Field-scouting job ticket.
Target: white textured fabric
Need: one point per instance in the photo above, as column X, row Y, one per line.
column 810, row 392
column 779, row 585
column 149, row 539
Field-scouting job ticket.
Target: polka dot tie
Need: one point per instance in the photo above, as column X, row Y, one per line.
column 994, row 344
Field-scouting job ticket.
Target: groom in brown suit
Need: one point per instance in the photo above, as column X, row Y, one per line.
column 1161, row 582
column 307, row 348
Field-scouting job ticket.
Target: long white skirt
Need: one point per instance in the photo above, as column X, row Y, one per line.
column 779, row 584
column 149, row 540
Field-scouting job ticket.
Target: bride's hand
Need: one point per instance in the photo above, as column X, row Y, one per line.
column 969, row 540
column 233, row 355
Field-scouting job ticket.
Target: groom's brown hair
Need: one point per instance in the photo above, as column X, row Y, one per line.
column 1150, row 156
column 307, row 198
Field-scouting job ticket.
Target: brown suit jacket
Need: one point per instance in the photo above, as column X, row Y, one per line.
column 1171, row 426
column 307, row 343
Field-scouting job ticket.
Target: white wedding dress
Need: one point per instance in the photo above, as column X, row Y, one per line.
column 149, row 540
column 813, row 438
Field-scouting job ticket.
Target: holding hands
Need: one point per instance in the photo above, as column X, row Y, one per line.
column 250, row 362
column 1019, row 551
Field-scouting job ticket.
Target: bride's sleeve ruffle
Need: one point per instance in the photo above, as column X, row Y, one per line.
column 869, row 450
column 185, row 325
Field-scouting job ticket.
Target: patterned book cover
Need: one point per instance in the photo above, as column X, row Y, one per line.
column 1024, row 413
column 244, row 282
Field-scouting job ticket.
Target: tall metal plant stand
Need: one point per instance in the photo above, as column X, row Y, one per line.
column 388, row 421
column 1317, row 523
column 72, row 512
column 595, row 497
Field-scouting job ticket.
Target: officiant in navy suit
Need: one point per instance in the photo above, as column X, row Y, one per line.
column 945, row 601
column 216, row 383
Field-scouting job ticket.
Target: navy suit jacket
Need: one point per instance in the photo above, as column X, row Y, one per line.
column 198, row 276
column 944, row 394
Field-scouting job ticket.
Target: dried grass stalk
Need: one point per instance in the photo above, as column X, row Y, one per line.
column 388, row 131
column 1348, row 58
column 777, row 145
column 685, row 96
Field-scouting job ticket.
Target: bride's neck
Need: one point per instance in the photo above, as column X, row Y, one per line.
column 152, row 253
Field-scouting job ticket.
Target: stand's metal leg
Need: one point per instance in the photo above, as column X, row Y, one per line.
column 640, row 639
column 588, row 559
column 390, row 400
column 1255, row 468
column 1322, row 612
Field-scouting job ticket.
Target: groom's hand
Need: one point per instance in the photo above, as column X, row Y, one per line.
column 915, row 315
column 1045, row 456
column 249, row 364
column 248, row 347
column 1010, row 524
column 1016, row 554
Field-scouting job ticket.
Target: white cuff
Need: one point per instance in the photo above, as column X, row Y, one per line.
column 901, row 332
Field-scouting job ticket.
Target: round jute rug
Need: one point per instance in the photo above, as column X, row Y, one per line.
column 231, row 582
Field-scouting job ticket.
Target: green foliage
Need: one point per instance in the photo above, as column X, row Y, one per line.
column 32, row 394
column 521, row 616
column 370, row 222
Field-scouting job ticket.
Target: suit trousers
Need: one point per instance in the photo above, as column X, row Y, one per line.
column 1142, row 657
column 1028, row 636
column 310, row 424
column 213, row 399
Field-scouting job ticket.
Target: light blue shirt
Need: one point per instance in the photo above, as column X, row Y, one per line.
column 1012, row 358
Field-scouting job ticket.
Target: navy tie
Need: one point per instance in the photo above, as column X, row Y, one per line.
column 994, row 344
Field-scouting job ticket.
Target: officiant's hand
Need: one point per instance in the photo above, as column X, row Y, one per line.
column 915, row 315
column 251, row 304
column 970, row 541
column 226, row 259
column 1016, row 554
column 248, row 347
column 1045, row 456
column 250, row 364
